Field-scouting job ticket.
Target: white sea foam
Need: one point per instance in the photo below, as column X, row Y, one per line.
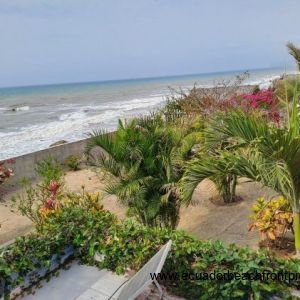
column 73, row 116
column 127, row 105
column 263, row 83
column 72, row 126
column 21, row 108
column 15, row 108
column 266, row 81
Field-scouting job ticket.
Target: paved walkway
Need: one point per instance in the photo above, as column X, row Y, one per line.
column 228, row 223
column 79, row 282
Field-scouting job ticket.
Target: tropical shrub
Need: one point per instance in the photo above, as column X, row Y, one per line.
column 256, row 149
column 202, row 102
column 5, row 172
column 226, row 186
column 272, row 218
column 73, row 161
column 49, row 170
column 206, row 104
column 38, row 202
column 76, row 225
column 131, row 245
column 284, row 89
column 144, row 161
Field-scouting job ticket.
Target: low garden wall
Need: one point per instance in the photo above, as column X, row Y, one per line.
column 24, row 164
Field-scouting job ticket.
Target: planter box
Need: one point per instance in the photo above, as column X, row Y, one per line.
column 35, row 275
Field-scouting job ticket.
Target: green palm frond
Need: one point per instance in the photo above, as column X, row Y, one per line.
column 169, row 190
column 244, row 128
column 140, row 157
column 294, row 119
column 110, row 165
column 100, row 138
column 295, row 52
column 133, row 172
column 124, row 190
column 250, row 164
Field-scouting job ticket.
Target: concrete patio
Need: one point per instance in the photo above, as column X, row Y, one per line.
column 79, row 282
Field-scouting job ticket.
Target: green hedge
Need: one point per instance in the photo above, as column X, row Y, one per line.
column 129, row 245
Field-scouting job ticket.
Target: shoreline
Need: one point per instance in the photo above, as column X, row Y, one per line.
column 73, row 112
column 61, row 151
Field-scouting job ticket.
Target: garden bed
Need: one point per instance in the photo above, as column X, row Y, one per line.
column 8, row 290
column 129, row 245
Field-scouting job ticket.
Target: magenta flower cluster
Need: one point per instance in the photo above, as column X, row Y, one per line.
column 262, row 99
column 265, row 101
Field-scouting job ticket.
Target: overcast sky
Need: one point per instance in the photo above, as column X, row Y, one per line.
column 54, row 41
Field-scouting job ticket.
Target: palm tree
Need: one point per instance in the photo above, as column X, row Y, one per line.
column 295, row 52
column 144, row 159
column 257, row 149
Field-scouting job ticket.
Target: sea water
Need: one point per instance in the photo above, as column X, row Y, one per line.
column 33, row 117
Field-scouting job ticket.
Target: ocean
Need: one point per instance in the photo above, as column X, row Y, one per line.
column 33, row 117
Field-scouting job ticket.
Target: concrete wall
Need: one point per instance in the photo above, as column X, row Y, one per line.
column 25, row 164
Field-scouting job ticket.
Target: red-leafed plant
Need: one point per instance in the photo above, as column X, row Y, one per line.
column 37, row 202
column 6, row 171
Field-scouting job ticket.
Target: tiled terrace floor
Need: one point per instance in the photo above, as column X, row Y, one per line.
column 79, row 282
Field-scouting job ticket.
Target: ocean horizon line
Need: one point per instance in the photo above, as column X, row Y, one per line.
column 143, row 78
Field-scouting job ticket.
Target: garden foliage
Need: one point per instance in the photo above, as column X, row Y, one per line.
column 49, row 170
column 131, row 245
column 143, row 159
column 272, row 218
column 73, row 161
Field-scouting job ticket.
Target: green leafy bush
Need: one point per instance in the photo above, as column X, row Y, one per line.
column 131, row 245
column 40, row 201
column 76, row 225
column 285, row 88
column 49, row 170
column 143, row 161
column 73, row 161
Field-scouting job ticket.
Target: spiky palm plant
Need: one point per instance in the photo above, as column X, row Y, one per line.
column 257, row 149
column 144, row 158
column 295, row 52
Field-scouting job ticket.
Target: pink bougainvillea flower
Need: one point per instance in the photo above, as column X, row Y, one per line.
column 262, row 98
